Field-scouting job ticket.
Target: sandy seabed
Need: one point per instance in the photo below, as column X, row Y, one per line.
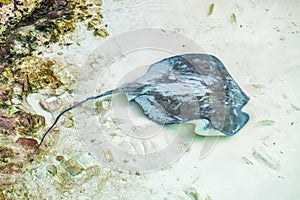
column 258, row 42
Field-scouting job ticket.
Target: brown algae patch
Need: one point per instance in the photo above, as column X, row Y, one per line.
column 12, row 12
column 20, row 123
column 24, row 76
column 46, row 24
column 36, row 74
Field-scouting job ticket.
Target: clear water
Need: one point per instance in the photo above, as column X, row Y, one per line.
column 260, row 49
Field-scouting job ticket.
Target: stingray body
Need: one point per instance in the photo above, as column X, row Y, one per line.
column 183, row 88
column 188, row 87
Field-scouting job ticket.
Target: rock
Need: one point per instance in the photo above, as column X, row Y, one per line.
column 59, row 158
column 5, row 95
column 13, row 168
column 12, row 12
column 27, row 142
column 6, row 123
column 28, row 122
column 51, row 104
column 5, row 154
column 18, row 121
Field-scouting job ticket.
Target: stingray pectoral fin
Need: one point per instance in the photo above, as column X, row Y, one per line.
column 154, row 110
column 233, row 121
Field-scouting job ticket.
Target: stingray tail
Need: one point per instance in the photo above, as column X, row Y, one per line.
column 108, row 93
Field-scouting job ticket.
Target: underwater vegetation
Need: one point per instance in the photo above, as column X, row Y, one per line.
column 43, row 23
column 27, row 28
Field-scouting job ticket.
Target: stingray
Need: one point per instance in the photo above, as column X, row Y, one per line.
column 183, row 88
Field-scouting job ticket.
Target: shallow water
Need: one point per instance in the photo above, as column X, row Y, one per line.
column 260, row 50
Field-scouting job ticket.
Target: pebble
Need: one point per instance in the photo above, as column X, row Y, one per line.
column 59, row 158
column 51, row 104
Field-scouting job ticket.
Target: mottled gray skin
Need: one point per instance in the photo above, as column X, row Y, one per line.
column 189, row 87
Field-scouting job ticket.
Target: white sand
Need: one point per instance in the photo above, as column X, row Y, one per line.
column 263, row 57
column 261, row 52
